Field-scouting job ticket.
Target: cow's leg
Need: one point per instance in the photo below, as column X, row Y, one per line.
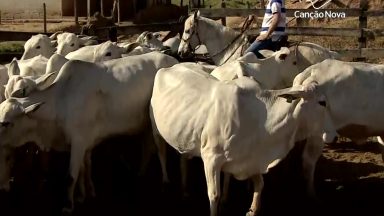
column 76, row 164
column 7, row 157
column 162, row 154
column 184, row 175
column 312, row 152
column 212, row 168
column 258, row 184
column 90, row 188
column 81, row 185
column 148, row 148
column 226, row 182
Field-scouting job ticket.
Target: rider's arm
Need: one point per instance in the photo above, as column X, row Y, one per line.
column 274, row 23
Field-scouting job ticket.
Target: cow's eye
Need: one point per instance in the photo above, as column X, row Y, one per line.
column 73, row 44
column 38, row 47
column 186, row 31
column 108, row 54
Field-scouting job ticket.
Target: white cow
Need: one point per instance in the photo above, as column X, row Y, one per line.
column 235, row 126
column 87, row 102
column 68, row 42
column 279, row 69
column 353, row 92
column 30, row 67
column 39, row 45
column 43, row 45
column 274, row 72
column 97, row 53
column 21, row 85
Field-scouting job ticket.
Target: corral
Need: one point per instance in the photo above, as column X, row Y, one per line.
column 349, row 177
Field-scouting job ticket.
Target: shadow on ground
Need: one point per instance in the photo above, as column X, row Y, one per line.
column 41, row 191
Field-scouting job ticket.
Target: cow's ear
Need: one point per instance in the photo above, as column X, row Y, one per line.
column 88, row 40
column 282, row 54
column 45, row 80
column 291, row 94
column 131, row 46
column 32, row 108
column 299, row 91
column 54, row 35
column 19, row 93
column 198, row 13
column 53, row 43
column 13, row 68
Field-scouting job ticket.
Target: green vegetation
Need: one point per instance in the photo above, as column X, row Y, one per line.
column 12, row 47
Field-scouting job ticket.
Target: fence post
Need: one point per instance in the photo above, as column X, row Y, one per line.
column 45, row 18
column 118, row 12
column 223, row 19
column 75, row 12
column 88, row 9
column 362, row 25
column 262, row 4
column 102, row 7
column 0, row 16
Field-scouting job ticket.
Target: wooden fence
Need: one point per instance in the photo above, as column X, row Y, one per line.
column 362, row 33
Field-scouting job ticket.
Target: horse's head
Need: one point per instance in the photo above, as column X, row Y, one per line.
column 190, row 39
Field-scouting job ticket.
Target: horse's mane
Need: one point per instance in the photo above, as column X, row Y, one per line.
column 223, row 29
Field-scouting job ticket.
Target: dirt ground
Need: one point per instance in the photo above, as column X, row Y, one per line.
column 349, row 181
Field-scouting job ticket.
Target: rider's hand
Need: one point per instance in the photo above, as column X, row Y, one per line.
column 262, row 37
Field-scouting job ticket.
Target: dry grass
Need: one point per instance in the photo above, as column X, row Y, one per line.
column 38, row 26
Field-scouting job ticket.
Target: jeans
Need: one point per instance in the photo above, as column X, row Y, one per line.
column 265, row 44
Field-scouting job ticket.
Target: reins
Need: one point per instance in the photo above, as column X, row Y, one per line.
column 247, row 23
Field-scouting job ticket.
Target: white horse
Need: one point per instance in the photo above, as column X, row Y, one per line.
column 224, row 44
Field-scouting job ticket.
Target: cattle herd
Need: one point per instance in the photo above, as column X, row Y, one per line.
column 241, row 116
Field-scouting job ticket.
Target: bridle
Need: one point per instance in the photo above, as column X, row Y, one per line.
column 193, row 29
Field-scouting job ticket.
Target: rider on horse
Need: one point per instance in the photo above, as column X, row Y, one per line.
column 272, row 35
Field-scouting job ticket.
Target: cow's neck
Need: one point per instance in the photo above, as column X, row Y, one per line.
column 220, row 41
column 283, row 117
